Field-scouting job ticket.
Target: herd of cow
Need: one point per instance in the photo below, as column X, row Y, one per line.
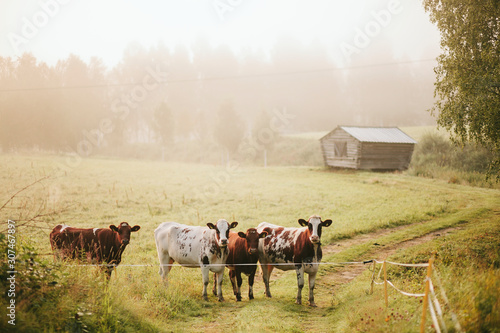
column 212, row 248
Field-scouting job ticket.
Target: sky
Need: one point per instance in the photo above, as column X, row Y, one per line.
column 53, row 29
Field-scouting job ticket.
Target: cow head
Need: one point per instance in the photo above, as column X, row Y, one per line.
column 222, row 231
column 124, row 231
column 314, row 224
column 252, row 239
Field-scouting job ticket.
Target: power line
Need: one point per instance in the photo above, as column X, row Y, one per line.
column 221, row 78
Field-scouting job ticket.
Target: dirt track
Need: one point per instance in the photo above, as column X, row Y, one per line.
column 348, row 273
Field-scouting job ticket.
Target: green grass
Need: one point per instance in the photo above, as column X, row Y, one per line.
column 468, row 264
column 100, row 192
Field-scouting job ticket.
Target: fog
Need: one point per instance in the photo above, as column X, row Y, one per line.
column 83, row 76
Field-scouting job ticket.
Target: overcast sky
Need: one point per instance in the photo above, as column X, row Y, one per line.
column 52, row 29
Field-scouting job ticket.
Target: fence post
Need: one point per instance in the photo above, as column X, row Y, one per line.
column 385, row 286
column 426, row 294
column 373, row 276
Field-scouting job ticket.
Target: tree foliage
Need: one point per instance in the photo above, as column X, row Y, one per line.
column 85, row 107
column 468, row 71
column 229, row 128
column 164, row 122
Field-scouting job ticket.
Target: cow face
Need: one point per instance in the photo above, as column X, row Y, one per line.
column 222, row 231
column 252, row 239
column 314, row 224
column 124, row 231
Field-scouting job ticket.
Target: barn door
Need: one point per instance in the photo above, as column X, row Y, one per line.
column 340, row 148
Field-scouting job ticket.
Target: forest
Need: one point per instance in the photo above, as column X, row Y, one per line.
column 204, row 94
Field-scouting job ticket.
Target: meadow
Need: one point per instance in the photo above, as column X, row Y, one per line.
column 383, row 210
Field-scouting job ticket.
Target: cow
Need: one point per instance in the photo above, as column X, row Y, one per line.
column 242, row 258
column 194, row 246
column 292, row 248
column 96, row 245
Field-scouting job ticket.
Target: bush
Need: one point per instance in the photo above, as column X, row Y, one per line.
column 36, row 281
column 437, row 157
column 434, row 149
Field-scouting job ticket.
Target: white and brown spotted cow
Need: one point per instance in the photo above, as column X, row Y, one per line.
column 204, row 247
column 292, row 248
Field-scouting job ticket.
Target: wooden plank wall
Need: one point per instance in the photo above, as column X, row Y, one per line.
column 365, row 155
column 328, row 149
column 385, row 155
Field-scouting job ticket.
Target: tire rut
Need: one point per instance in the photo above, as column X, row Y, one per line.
column 347, row 273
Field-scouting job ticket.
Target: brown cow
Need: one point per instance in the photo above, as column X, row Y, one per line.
column 242, row 258
column 97, row 245
column 292, row 248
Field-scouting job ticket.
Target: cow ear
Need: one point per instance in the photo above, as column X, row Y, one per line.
column 242, row 234
column 113, row 227
column 135, row 228
column 263, row 234
column 233, row 225
column 211, row 225
column 326, row 223
column 303, row 222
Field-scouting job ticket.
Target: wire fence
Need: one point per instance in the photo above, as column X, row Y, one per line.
column 430, row 299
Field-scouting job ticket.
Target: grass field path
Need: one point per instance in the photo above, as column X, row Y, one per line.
column 349, row 272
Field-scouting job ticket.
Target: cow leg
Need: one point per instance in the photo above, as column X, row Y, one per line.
column 205, row 273
column 214, row 289
column 251, row 278
column 299, row 269
column 165, row 267
column 266, row 275
column 232, row 278
column 220, row 276
column 239, row 281
column 312, row 279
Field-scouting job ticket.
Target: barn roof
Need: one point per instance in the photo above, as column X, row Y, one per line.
column 379, row 134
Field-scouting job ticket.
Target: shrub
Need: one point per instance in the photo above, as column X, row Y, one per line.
column 437, row 157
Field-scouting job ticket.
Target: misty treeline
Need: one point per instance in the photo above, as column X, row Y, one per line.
column 204, row 94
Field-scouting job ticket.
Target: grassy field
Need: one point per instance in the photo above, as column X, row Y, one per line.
column 99, row 192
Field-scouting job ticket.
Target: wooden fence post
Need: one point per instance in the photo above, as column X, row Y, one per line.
column 426, row 295
column 385, row 286
column 373, row 276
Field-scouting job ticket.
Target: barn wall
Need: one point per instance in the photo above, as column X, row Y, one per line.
column 329, row 149
column 385, row 155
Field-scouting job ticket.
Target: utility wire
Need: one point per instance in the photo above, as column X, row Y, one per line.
column 220, row 78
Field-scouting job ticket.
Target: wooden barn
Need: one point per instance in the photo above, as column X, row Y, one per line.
column 372, row 148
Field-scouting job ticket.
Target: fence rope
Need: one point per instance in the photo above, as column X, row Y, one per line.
column 433, row 303
column 454, row 318
column 342, row 263
column 433, row 316
column 405, row 265
column 218, row 265
column 392, row 285
column 437, row 306
column 404, row 292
